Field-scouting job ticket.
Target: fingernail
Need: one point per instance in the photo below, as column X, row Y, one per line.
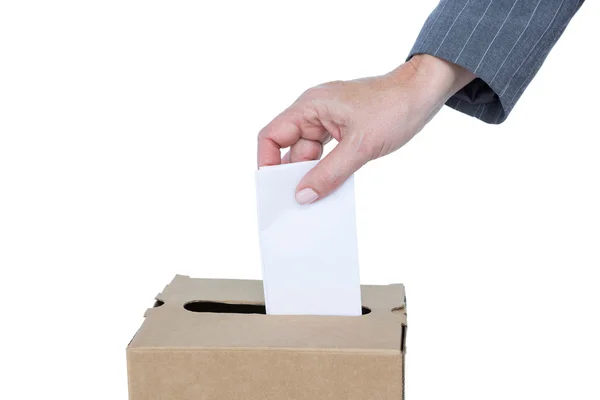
column 306, row 196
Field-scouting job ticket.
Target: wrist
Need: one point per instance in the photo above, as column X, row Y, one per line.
column 438, row 79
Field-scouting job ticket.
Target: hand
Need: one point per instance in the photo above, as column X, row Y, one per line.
column 369, row 117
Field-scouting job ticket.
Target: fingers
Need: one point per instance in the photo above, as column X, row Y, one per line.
column 296, row 128
column 344, row 160
column 305, row 150
column 282, row 132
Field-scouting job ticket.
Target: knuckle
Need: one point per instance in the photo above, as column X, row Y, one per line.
column 263, row 133
column 323, row 89
column 332, row 84
column 311, row 93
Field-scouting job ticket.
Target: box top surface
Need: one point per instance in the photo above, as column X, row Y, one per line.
column 227, row 313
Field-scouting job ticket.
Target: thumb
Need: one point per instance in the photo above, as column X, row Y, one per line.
column 333, row 170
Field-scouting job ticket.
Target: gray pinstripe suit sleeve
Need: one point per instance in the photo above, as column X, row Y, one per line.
column 503, row 42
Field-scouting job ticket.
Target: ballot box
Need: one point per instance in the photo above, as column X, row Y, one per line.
column 211, row 339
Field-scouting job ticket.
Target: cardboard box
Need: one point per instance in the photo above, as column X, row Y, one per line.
column 208, row 339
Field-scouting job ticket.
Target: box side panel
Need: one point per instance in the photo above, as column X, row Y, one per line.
column 265, row 375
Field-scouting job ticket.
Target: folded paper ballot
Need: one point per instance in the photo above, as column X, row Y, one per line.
column 309, row 252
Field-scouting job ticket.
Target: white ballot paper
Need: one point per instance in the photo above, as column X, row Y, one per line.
column 309, row 252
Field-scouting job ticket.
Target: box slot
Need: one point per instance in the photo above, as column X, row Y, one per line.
column 232, row 308
column 224, row 308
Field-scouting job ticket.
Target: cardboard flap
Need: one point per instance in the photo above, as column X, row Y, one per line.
column 229, row 313
column 184, row 289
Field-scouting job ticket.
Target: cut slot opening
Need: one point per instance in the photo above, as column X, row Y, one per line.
column 234, row 308
column 224, row 308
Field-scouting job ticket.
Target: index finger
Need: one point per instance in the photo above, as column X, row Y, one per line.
column 280, row 133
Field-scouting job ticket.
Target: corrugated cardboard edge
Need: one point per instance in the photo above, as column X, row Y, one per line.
column 263, row 349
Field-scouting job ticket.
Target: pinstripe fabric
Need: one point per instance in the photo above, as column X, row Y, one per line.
column 503, row 42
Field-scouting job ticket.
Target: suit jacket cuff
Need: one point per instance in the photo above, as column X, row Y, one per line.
column 503, row 43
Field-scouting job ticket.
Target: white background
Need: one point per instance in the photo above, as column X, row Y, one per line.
column 127, row 155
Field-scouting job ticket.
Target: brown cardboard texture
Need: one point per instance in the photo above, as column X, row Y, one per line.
column 209, row 339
